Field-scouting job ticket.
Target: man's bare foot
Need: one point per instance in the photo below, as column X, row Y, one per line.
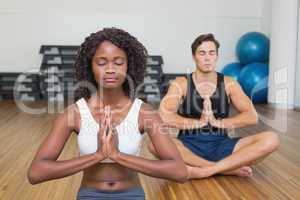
column 241, row 172
column 199, row 172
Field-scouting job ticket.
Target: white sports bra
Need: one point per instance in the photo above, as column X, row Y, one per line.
column 128, row 130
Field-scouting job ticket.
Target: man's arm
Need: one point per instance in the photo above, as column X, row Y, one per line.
column 247, row 114
column 170, row 104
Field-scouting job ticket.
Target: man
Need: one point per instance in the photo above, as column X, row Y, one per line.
column 198, row 105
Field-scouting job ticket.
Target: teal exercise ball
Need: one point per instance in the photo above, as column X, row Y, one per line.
column 233, row 70
column 254, row 81
column 253, row 47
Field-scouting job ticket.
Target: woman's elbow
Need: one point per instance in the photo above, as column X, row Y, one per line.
column 32, row 178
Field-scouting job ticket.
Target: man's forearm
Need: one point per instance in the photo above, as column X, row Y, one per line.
column 237, row 121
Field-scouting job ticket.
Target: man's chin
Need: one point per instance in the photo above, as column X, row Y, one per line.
column 207, row 71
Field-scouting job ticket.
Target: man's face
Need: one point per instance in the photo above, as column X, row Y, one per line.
column 206, row 56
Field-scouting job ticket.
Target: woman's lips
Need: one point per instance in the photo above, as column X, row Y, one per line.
column 110, row 79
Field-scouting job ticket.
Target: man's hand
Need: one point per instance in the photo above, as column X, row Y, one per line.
column 210, row 114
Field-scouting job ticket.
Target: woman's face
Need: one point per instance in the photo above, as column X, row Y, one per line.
column 109, row 65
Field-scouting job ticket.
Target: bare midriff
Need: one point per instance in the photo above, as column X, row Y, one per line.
column 110, row 177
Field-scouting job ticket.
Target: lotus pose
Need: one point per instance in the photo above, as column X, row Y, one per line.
column 109, row 125
column 198, row 105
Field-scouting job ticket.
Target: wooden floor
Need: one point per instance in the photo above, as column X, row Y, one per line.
column 277, row 177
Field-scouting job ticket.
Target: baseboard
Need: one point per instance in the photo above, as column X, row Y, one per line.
column 281, row 106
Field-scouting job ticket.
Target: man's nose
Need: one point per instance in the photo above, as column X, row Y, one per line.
column 207, row 58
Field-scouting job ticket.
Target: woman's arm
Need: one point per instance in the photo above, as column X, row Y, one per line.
column 45, row 165
column 170, row 103
column 170, row 166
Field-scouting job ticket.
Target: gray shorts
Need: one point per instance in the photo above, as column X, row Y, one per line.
column 86, row 193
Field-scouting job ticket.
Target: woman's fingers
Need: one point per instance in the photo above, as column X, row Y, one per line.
column 103, row 127
column 115, row 136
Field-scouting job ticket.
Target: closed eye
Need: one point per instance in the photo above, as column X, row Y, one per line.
column 202, row 53
column 119, row 63
column 101, row 64
column 213, row 52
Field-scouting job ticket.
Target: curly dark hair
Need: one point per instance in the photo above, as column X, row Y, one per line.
column 135, row 51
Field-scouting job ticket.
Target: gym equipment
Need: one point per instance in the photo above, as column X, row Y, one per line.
column 233, row 70
column 20, row 86
column 254, row 81
column 57, row 71
column 155, row 60
column 150, row 89
column 253, row 47
column 58, row 50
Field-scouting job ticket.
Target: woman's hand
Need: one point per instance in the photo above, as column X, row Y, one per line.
column 112, row 139
column 102, row 152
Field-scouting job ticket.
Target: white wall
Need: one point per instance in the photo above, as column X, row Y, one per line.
column 165, row 27
column 266, row 17
column 283, row 53
column 297, row 74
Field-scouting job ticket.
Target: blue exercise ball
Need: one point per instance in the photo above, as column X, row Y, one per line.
column 233, row 70
column 253, row 47
column 254, row 81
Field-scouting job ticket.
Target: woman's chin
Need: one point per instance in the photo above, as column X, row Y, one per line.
column 111, row 85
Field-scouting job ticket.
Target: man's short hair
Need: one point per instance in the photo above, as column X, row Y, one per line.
column 204, row 38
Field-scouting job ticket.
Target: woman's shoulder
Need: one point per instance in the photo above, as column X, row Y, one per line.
column 148, row 113
column 70, row 116
column 146, row 107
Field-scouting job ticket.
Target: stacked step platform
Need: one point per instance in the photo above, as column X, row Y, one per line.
column 57, row 71
column 20, row 86
column 150, row 91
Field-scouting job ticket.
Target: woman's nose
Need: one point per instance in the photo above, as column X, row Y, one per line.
column 110, row 68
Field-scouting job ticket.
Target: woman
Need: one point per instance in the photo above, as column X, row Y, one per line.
column 113, row 62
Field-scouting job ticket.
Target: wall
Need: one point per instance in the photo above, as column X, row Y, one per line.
column 297, row 74
column 165, row 27
column 283, row 53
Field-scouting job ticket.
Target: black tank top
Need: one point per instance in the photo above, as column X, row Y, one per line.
column 192, row 105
